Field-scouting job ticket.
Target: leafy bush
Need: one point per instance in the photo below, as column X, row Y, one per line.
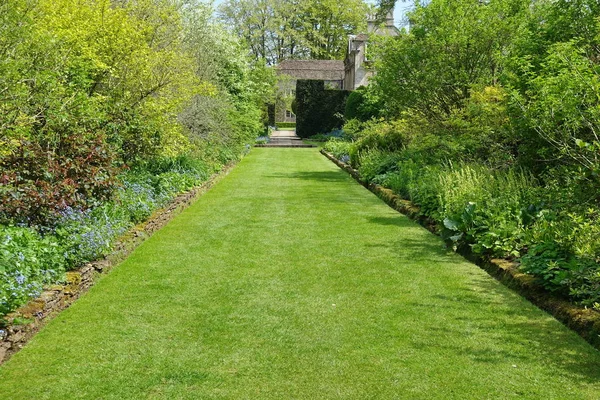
column 565, row 253
column 362, row 104
column 340, row 149
column 488, row 210
column 38, row 183
column 27, row 262
column 379, row 135
column 419, row 183
column 374, row 163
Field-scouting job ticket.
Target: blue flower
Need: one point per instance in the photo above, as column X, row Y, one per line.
column 20, row 278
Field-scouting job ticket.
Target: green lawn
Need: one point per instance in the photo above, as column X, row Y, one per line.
column 290, row 281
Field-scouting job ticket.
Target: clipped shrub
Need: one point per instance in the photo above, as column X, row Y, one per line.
column 318, row 110
column 285, row 125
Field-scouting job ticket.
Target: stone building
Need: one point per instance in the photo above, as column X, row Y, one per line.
column 349, row 74
column 357, row 64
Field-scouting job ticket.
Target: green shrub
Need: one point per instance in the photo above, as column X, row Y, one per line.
column 362, row 105
column 488, row 210
column 340, row 149
column 37, row 182
column 379, row 135
column 565, row 253
column 319, row 110
column 352, row 129
column 375, row 163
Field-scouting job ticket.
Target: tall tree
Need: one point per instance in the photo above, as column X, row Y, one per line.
column 451, row 46
column 281, row 29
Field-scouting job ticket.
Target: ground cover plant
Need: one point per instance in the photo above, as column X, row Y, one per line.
column 289, row 280
column 31, row 258
column 107, row 110
column 488, row 122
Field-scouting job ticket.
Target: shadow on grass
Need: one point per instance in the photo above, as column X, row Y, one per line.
column 512, row 326
column 320, row 176
column 491, row 311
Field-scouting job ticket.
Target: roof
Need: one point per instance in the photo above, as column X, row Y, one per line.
column 313, row 69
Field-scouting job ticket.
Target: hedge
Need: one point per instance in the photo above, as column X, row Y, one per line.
column 318, row 110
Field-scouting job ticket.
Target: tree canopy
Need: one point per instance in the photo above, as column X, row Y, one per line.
column 276, row 30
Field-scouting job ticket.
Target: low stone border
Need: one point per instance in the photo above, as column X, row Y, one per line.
column 584, row 321
column 29, row 319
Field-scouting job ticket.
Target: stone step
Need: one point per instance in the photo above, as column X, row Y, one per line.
column 285, row 145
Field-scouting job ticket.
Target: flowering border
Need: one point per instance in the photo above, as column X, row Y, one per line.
column 584, row 321
column 26, row 321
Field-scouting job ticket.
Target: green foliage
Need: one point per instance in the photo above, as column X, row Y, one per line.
column 374, row 162
column 285, row 125
column 451, row 46
column 27, row 262
column 380, row 136
column 277, row 30
column 560, row 108
column 319, row 110
column 234, row 113
column 488, row 210
column 339, row 148
column 560, row 271
column 362, row 104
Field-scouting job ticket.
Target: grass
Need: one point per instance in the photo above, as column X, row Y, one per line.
column 290, row 281
column 313, row 142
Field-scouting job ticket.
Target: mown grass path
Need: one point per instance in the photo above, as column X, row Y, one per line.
column 290, row 281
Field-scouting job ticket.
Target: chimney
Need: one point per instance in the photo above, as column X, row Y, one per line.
column 371, row 23
column 389, row 21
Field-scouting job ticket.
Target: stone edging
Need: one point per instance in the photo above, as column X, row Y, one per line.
column 56, row 298
column 584, row 321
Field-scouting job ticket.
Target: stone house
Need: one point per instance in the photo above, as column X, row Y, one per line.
column 357, row 64
column 349, row 74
